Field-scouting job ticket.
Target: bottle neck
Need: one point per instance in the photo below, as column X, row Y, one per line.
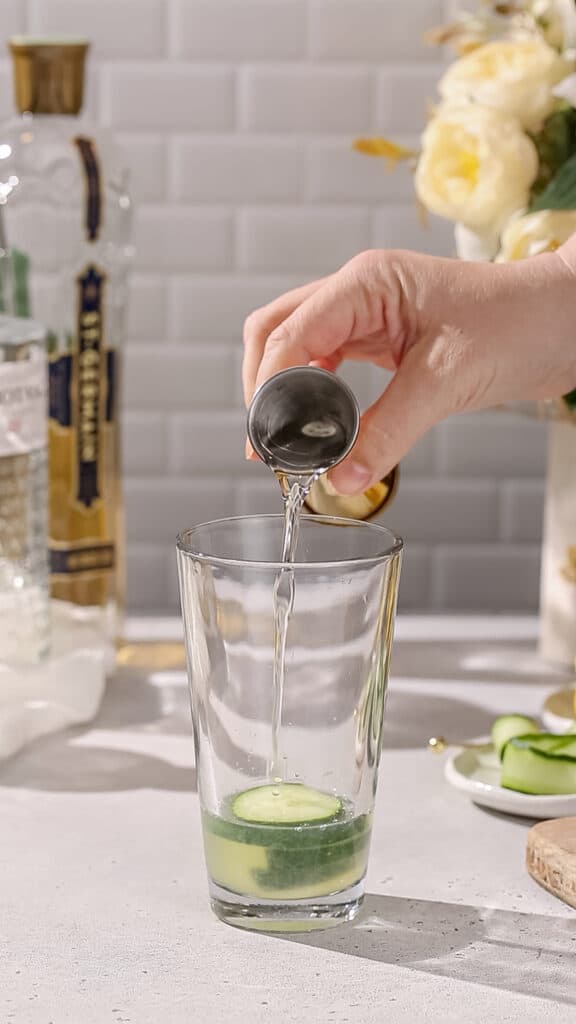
column 49, row 80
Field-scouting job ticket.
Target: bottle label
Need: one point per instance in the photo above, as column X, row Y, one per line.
column 92, row 178
column 89, row 392
column 82, row 414
column 23, row 400
column 80, row 558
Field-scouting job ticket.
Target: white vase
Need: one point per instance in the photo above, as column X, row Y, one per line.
column 558, row 565
column 471, row 245
column 558, row 554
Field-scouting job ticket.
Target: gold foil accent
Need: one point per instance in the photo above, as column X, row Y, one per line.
column 158, row 657
column 48, row 74
column 325, row 500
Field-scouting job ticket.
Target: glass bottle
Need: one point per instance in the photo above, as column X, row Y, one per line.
column 24, row 594
column 64, row 258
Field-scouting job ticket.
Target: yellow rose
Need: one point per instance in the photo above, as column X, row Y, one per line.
column 514, row 76
column 534, row 233
column 476, row 167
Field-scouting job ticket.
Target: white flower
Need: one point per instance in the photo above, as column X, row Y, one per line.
column 476, row 167
column 550, row 18
column 514, row 76
column 566, row 90
column 535, row 233
column 557, row 22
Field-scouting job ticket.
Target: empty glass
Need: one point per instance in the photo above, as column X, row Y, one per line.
column 286, row 837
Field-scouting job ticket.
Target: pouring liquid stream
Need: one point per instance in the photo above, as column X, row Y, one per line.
column 294, row 489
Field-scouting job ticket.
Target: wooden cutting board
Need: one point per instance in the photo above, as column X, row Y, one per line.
column 551, row 857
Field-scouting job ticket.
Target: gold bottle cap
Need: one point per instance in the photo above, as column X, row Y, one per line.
column 48, row 74
column 324, row 500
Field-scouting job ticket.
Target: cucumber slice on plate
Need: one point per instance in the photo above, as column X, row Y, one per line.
column 285, row 803
column 507, row 726
column 543, row 764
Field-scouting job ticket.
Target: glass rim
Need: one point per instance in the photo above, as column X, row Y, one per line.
column 394, row 548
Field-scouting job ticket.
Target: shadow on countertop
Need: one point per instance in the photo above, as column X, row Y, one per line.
column 529, row 954
column 500, row 661
column 57, row 764
column 412, row 718
column 62, row 763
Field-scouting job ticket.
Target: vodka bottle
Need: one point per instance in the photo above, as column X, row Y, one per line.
column 65, row 242
column 24, row 595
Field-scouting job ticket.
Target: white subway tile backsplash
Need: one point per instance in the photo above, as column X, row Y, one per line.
column 157, row 509
column 213, row 308
column 372, row 29
column 115, row 28
column 166, row 97
column 144, row 443
column 13, row 18
column 149, row 569
column 253, row 29
column 147, row 308
column 146, row 157
column 367, row 382
column 209, row 445
column 400, row 226
column 172, row 377
column 305, row 98
column 258, row 493
column 492, row 445
column 406, row 93
column 337, row 173
column 429, row 511
column 6, row 91
column 522, row 510
column 237, row 118
column 487, row 578
column 422, row 459
column 415, row 579
column 296, row 238
column 237, row 169
column 183, row 238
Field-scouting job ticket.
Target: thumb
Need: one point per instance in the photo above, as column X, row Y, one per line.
column 410, row 405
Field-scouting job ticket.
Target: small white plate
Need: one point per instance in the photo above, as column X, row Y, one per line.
column 558, row 711
column 476, row 772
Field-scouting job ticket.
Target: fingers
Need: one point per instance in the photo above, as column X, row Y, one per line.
column 347, row 306
column 409, row 406
column 260, row 324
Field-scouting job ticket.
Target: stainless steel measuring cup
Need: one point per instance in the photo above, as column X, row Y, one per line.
column 303, row 420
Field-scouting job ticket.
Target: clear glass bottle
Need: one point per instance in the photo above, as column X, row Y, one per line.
column 65, row 254
column 24, row 592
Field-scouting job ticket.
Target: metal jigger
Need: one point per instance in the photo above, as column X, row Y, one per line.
column 303, row 421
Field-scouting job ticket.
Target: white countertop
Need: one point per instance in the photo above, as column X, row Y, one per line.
column 104, row 917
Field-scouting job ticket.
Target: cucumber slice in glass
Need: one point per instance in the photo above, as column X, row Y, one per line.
column 507, row 726
column 285, row 803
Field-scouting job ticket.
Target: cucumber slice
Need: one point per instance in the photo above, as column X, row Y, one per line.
column 544, row 765
column 285, row 803
column 507, row 726
column 552, row 743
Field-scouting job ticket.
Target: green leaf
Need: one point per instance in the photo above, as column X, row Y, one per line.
column 570, row 399
column 555, row 143
column 560, row 194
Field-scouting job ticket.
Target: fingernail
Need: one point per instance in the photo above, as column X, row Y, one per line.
column 351, row 478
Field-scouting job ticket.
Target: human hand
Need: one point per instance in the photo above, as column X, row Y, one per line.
column 457, row 336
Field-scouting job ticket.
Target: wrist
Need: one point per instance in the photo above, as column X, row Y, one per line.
column 566, row 254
